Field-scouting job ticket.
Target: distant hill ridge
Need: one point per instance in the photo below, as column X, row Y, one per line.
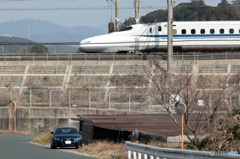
column 14, row 48
column 44, row 31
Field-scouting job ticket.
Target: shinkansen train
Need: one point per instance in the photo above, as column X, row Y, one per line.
column 187, row 37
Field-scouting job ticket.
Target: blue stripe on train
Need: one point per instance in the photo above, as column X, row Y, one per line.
column 196, row 36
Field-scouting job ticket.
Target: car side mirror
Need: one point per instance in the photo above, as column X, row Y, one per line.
column 80, row 132
column 52, row 132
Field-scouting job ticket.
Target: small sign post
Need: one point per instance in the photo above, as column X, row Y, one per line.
column 181, row 109
column 12, row 105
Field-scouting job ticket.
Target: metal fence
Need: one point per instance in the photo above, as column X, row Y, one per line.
column 138, row 151
column 118, row 57
column 116, row 100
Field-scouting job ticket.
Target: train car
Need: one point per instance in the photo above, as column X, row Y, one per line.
column 187, row 37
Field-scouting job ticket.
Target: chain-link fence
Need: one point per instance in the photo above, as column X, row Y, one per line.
column 115, row 100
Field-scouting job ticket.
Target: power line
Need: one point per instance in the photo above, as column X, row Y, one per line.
column 38, row 0
column 32, row 43
column 72, row 8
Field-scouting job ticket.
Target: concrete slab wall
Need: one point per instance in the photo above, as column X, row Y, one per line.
column 19, row 74
column 45, row 119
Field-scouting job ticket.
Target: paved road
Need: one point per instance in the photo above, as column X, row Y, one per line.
column 16, row 146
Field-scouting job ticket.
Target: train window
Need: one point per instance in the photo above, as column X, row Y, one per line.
column 231, row 31
column 202, row 31
column 221, row 31
column 150, row 30
column 212, row 31
column 193, row 31
column 159, row 28
column 126, row 29
column 184, row 31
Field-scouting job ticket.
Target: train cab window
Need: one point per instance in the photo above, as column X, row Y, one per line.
column 150, row 30
column 231, row 31
column 212, row 31
column 126, row 28
column 184, row 31
column 221, row 31
column 202, row 31
column 193, row 31
column 159, row 28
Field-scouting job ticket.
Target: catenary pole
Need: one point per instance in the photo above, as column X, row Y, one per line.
column 170, row 34
column 170, row 46
column 137, row 11
column 117, row 14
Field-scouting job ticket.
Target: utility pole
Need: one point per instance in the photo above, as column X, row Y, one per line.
column 117, row 14
column 137, row 10
column 170, row 46
column 170, row 34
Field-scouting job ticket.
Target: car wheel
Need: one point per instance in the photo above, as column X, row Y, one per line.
column 77, row 147
column 53, row 147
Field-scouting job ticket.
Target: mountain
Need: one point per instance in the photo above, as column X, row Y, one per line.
column 14, row 47
column 44, row 31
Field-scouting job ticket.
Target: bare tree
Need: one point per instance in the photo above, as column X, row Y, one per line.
column 183, row 82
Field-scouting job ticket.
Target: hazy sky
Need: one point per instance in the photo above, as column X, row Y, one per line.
column 79, row 12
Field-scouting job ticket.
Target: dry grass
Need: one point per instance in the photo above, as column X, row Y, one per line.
column 98, row 149
column 105, row 150
column 43, row 139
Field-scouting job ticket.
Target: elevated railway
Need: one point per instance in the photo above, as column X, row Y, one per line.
column 118, row 57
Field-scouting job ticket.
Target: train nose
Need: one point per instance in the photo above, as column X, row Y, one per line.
column 84, row 45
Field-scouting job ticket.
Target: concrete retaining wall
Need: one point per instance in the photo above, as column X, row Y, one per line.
column 47, row 119
column 44, row 119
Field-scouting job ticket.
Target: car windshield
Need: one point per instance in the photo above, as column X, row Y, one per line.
column 66, row 131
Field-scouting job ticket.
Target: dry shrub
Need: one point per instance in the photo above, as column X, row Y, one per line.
column 224, row 135
column 4, row 98
column 39, row 82
column 158, row 144
column 234, row 80
column 128, row 80
column 44, row 139
column 211, row 81
column 105, row 150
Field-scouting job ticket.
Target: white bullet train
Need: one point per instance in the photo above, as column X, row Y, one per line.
column 187, row 37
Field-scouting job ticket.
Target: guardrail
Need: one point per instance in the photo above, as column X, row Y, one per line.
column 168, row 153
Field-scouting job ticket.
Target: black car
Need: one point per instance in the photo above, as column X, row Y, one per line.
column 66, row 137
